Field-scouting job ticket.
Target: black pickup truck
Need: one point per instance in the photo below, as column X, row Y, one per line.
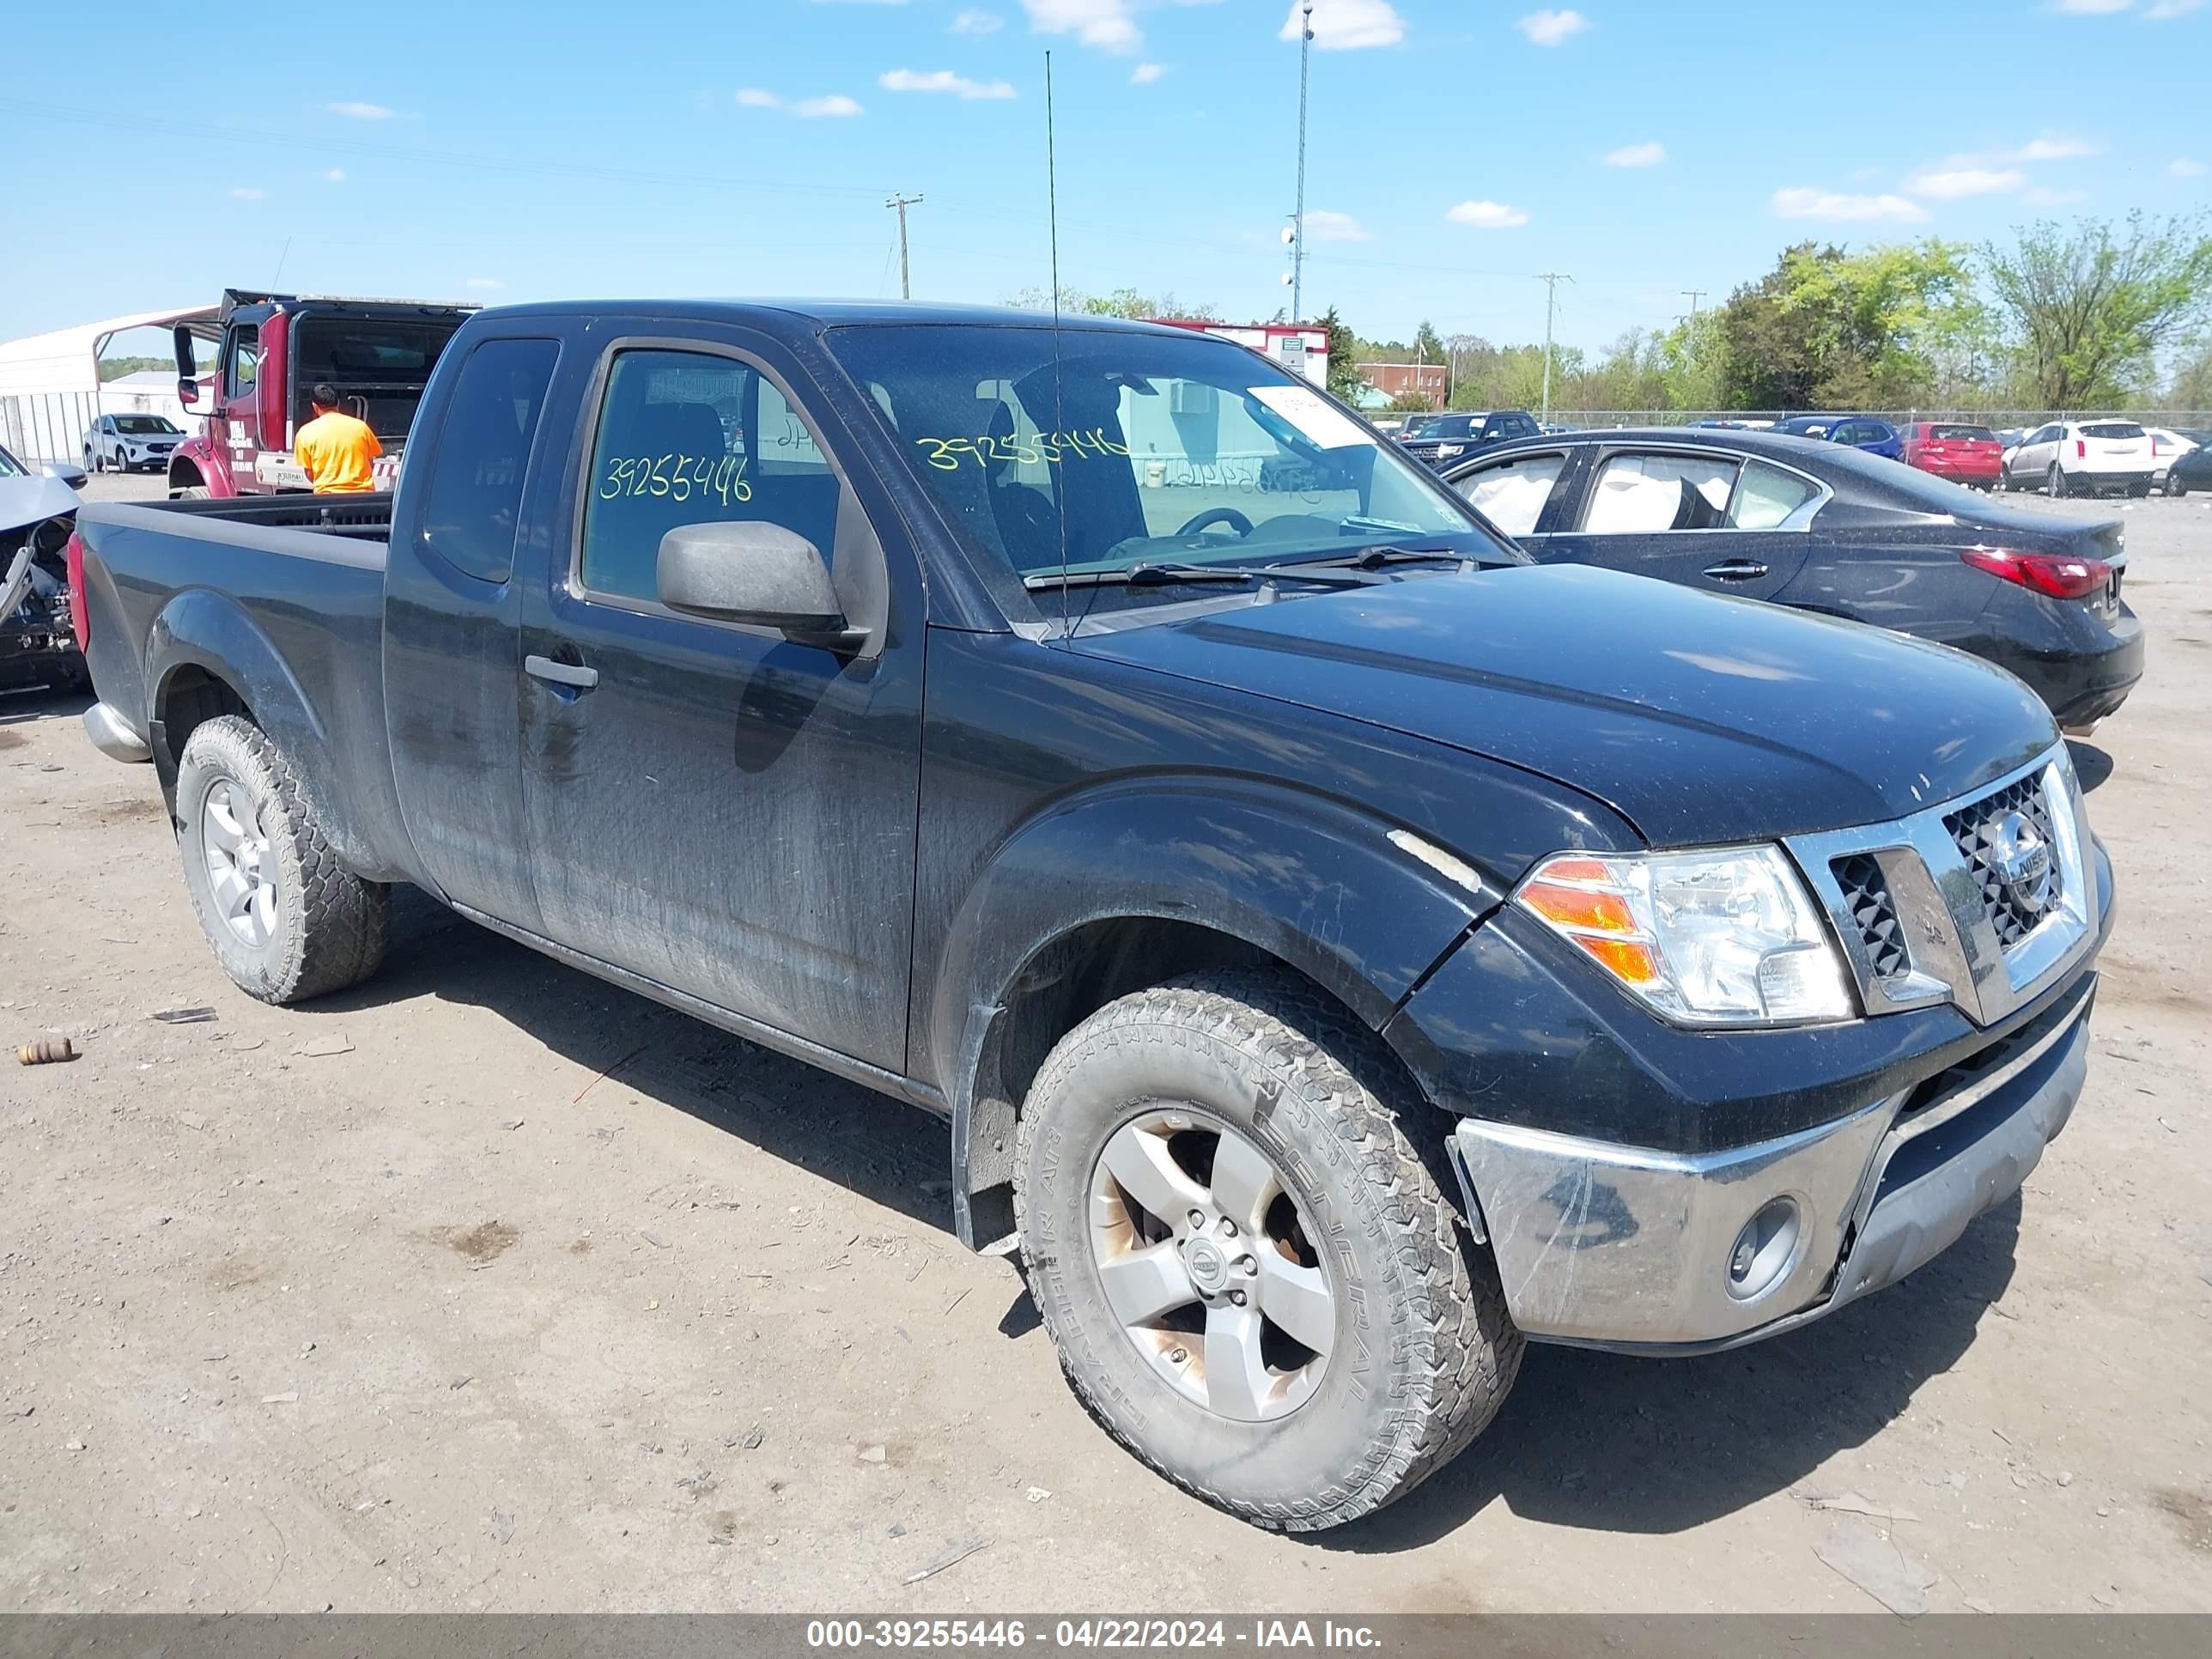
column 1340, row 949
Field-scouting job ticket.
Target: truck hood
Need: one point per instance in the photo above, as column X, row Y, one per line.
column 1699, row 719
column 32, row 501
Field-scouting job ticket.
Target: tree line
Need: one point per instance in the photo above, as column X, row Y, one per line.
column 2093, row 315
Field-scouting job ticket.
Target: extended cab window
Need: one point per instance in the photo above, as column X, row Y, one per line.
column 693, row 438
column 476, row 491
column 1511, row 494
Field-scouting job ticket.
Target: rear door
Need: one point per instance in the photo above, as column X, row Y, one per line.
column 453, row 607
column 1716, row 520
column 710, row 806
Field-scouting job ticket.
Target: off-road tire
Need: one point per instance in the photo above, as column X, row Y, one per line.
column 330, row 925
column 1424, row 1351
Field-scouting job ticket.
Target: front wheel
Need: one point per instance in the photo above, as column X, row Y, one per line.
column 1255, row 1282
column 193, row 493
column 2174, row 486
column 2055, row 484
column 286, row 920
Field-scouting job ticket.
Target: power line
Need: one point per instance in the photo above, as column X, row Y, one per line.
column 903, row 203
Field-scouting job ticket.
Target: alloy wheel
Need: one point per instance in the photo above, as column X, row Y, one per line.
column 242, row 865
column 1209, row 1264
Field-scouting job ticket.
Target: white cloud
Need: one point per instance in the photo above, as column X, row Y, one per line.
column 2162, row 10
column 1104, row 23
column 2044, row 196
column 1488, row 215
column 907, row 79
column 335, row 175
column 361, row 112
column 973, row 21
column 2090, row 7
column 485, row 282
column 1637, row 155
column 1347, row 25
column 1324, row 225
column 2054, row 147
column 1949, row 184
column 2182, row 167
column 248, row 192
column 1801, row 202
column 806, row 109
column 1145, row 74
column 1552, row 28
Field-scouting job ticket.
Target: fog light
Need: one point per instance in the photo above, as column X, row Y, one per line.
column 1763, row 1250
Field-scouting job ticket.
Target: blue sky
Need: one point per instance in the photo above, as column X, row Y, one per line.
column 1456, row 148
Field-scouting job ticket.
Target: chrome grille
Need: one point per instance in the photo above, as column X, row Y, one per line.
column 1974, row 827
column 1873, row 912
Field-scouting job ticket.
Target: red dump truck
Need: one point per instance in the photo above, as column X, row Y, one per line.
column 271, row 350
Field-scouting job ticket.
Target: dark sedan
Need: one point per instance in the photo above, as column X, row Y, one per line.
column 1826, row 527
column 2192, row 471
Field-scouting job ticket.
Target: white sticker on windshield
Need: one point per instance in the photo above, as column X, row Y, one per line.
column 1313, row 415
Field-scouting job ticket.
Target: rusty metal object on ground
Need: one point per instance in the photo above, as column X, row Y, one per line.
column 46, row 1051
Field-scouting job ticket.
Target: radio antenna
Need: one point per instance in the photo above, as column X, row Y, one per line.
column 1059, row 413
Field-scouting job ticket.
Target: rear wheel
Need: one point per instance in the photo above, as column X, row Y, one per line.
column 2174, row 486
column 1255, row 1281
column 287, row 922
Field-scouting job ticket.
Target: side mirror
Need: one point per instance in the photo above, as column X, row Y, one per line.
column 188, row 392
column 749, row 572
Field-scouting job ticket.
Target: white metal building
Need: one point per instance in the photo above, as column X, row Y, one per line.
column 50, row 389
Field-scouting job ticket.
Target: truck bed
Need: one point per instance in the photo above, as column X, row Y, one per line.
column 289, row 589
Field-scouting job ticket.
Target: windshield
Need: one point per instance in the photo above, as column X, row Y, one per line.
column 143, row 425
column 1973, row 434
column 2112, row 430
column 1143, row 449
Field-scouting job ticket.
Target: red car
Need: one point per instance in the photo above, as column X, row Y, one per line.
column 1964, row 455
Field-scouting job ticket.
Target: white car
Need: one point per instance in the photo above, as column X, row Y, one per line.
column 2166, row 446
column 2068, row 458
column 127, row 442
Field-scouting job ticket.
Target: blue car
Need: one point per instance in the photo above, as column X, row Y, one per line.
column 1875, row 437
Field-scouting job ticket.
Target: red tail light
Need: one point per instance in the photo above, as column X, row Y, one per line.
column 2080, row 449
column 80, row 621
column 2060, row 576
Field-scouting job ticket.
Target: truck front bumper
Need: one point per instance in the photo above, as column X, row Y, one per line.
column 1604, row 1245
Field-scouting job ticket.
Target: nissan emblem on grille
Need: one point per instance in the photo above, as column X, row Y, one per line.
column 2022, row 860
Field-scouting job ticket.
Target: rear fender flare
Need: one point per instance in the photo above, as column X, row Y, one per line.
column 203, row 629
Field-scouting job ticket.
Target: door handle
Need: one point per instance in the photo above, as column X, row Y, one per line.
column 574, row 675
column 1736, row 570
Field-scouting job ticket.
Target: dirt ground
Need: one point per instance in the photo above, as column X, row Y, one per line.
column 487, row 1286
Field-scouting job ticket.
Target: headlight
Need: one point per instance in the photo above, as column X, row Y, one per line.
column 1448, row 449
column 1706, row 938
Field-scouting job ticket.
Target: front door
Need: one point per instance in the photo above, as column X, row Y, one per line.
column 1712, row 520
column 711, row 805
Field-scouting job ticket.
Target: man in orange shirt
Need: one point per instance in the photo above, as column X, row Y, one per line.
column 338, row 450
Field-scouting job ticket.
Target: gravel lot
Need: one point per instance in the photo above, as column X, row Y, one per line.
column 487, row 1286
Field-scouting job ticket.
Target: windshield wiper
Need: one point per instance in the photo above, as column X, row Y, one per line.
column 1375, row 558
column 1162, row 575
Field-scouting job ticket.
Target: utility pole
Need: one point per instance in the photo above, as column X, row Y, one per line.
column 1551, row 280
column 903, row 203
column 1299, row 221
column 1692, row 294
